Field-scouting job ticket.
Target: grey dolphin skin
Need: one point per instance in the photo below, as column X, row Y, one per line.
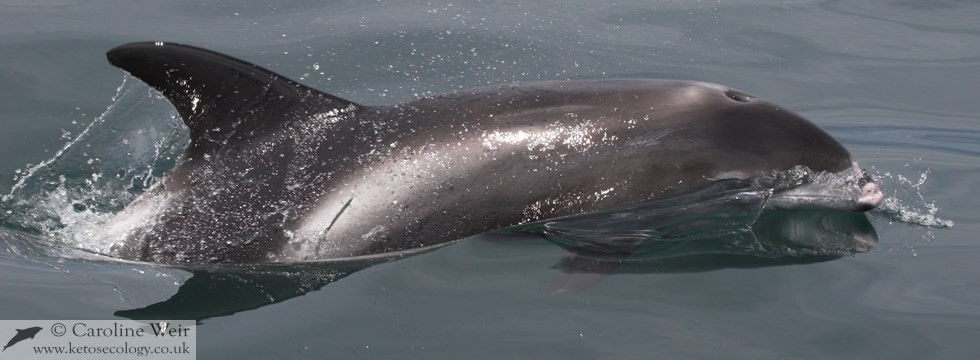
column 22, row 334
column 276, row 171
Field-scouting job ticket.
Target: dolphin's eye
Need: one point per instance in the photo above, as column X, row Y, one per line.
column 738, row 95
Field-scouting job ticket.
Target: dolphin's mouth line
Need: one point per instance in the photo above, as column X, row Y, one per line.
column 849, row 190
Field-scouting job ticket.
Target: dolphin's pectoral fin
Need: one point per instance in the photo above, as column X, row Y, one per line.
column 218, row 95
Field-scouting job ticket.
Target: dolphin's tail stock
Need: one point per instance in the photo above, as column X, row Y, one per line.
column 219, row 97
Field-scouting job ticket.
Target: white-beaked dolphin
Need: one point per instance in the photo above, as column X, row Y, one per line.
column 277, row 171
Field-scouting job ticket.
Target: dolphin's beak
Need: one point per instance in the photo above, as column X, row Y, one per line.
column 860, row 193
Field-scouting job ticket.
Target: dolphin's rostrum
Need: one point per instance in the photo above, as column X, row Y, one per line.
column 276, row 171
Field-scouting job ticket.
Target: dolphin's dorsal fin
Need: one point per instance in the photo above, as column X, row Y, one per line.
column 220, row 97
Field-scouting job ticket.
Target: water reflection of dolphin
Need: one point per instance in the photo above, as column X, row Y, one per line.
column 277, row 171
column 224, row 289
column 22, row 334
column 776, row 238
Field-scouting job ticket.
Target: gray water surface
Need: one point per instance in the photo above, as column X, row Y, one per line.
column 894, row 81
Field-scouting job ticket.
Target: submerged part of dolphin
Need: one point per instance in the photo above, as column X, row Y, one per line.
column 778, row 238
column 276, row 171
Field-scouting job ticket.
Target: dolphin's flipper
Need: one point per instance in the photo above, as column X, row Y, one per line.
column 219, row 97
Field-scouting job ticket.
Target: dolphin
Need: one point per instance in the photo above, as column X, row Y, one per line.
column 277, row 171
column 22, row 334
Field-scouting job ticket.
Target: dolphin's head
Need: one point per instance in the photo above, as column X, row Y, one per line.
column 739, row 135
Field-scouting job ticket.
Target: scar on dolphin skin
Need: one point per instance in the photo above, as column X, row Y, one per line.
column 334, row 220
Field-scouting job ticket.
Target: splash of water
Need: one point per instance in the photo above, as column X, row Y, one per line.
column 118, row 154
column 905, row 202
column 27, row 174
